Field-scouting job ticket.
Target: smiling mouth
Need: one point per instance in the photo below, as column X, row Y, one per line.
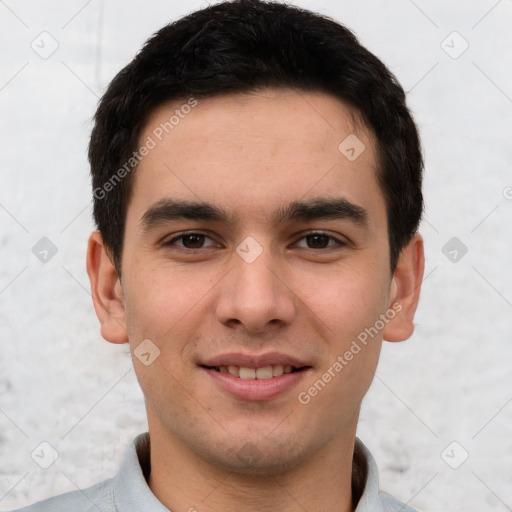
column 261, row 373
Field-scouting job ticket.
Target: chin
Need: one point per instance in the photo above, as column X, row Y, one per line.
column 255, row 457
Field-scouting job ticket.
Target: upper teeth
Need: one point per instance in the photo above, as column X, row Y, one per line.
column 264, row 372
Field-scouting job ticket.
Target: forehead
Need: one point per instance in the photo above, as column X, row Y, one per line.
column 253, row 150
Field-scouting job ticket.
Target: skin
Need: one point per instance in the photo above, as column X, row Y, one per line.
column 252, row 154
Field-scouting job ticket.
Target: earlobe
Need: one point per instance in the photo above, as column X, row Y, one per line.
column 106, row 290
column 405, row 290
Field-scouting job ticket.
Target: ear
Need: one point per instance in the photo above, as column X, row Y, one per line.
column 107, row 294
column 405, row 291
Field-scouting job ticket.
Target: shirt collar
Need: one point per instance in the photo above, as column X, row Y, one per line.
column 370, row 499
column 132, row 493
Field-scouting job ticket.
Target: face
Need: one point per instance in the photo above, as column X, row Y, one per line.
column 255, row 248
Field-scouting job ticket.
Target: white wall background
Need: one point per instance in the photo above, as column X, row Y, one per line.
column 61, row 383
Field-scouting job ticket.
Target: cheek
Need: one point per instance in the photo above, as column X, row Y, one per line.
column 346, row 308
column 170, row 306
column 346, row 301
column 350, row 351
column 160, row 300
column 162, row 306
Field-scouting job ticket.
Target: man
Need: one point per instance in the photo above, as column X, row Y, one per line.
column 257, row 191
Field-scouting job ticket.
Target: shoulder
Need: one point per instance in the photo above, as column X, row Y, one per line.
column 92, row 499
column 118, row 493
column 365, row 475
column 391, row 504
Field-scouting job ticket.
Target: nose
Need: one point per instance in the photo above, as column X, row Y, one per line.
column 255, row 295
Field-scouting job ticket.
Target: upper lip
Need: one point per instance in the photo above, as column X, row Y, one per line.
column 253, row 360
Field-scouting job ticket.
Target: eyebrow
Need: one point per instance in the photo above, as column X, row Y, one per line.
column 318, row 208
column 321, row 208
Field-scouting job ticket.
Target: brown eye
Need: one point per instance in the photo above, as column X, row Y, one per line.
column 191, row 241
column 194, row 241
column 317, row 241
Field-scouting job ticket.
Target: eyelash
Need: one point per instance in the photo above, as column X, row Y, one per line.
column 169, row 243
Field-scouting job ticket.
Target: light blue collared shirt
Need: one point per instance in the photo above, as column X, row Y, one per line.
column 128, row 491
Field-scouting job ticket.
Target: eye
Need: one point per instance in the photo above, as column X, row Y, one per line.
column 319, row 240
column 191, row 240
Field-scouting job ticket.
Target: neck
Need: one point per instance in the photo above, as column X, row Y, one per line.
column 184, row 482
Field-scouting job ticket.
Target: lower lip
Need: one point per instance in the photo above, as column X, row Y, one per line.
column 255, row 389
